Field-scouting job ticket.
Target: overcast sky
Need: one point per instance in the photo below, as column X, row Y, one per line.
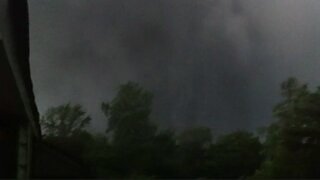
column 216, row 63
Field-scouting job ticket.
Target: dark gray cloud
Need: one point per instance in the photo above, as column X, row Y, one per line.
column 209, row 62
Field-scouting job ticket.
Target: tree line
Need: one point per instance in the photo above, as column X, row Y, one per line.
column 134, row 147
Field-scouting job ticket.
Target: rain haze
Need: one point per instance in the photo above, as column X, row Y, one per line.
column 217, row 63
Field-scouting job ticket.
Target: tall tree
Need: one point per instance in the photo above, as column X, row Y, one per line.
column 293, row 141
column 64, row 120
column 64, row 130
column 128, row 115
column 129, row 123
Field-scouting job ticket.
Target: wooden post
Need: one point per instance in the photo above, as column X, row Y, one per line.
column 24, row 152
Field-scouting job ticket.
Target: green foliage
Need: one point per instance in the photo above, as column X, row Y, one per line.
column 64, row 129
column 64, row 120
column 193, row 144
column 74, row 148
column 132, row 131
column 293, row 142
column 75, row 145
column 133, row 147
column 128, row 117
column 163, row 152
column 235, row 155
column 196, row 136
column 131, row 102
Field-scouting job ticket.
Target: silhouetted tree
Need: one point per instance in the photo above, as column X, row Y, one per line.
column 64, row 120
column 193, row 144
column 293, row 142
column 64, row 129
column 134, row 148
column 130, row 126
column 162, row 161
column 235, row 155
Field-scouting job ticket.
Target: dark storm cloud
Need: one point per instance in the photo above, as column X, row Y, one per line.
column 209, row 62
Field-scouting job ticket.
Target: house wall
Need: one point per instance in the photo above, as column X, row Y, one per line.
column 18, row 114
column 8, row 119
column 19, row 126
column 8, row 150
column 15, row 36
